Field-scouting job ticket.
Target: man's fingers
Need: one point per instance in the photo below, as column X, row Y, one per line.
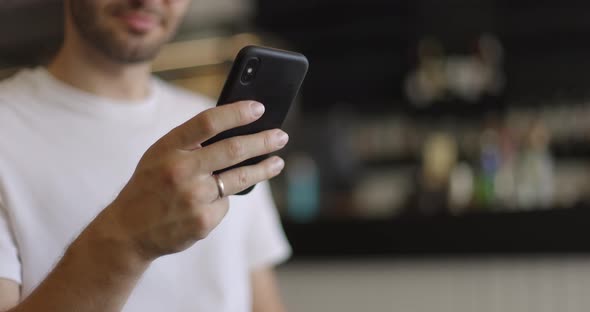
column 211, row 122
column 239, row 179
column 232, row 151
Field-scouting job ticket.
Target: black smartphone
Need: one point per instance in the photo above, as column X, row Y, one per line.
column 269, row 76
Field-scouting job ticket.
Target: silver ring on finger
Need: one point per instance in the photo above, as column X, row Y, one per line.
column 220, row 186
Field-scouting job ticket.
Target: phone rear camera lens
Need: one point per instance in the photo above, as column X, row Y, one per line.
column 250, row 70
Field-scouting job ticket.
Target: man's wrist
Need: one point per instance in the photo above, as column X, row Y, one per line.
column 108, row 246
column 98, row 267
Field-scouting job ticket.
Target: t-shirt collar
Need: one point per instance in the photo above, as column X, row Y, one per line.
column 83, row 102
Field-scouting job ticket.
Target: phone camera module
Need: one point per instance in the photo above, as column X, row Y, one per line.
column 250, row 70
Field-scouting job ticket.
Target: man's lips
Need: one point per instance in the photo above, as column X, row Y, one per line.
column 139, row 22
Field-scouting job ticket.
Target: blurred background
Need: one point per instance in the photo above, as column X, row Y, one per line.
column 440, row 150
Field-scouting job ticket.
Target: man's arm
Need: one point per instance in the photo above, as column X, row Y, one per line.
column 265, row 291
column 96, row 273
column 170, row 203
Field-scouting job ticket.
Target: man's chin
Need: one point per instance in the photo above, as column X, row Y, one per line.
column 134, row 55
column 132, row 47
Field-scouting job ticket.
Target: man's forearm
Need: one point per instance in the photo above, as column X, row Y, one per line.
column 96, row 273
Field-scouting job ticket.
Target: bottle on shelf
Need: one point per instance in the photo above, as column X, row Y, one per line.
column 439, row 156
column 303, row 194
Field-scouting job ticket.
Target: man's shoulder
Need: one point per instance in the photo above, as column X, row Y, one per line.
column 18, row 89
column 13, row 84
column 12, row 89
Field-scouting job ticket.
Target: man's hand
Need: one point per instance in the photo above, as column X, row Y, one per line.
column 170, row 202
column 172, row 199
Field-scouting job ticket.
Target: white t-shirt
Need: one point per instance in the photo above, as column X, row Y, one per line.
column 64, row 156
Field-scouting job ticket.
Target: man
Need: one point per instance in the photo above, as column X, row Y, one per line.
column 90, row 221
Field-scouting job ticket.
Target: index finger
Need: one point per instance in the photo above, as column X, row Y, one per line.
column 209, row 123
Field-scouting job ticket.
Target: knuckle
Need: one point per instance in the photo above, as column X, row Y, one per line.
column 176, row 136
column 207, row 124
column 203, row 224
column 268, row 142
column 201, row 234
column 188, row 199
column 236, row 149
column 173, row 174
column 203, row 193
column 243, row 114
column 269, row 171
column 243, row 179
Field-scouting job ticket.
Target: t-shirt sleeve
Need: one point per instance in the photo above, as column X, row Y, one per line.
column 267, row 244
column 10, row 267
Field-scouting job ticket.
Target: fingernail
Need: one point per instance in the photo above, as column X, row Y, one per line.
column 282, row 138
column 277, row 165
column 257, row 109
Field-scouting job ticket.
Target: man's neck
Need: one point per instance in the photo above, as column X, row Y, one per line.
column 86, row 69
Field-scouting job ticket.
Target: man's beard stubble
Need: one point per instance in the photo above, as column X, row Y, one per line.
column 86, row 20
